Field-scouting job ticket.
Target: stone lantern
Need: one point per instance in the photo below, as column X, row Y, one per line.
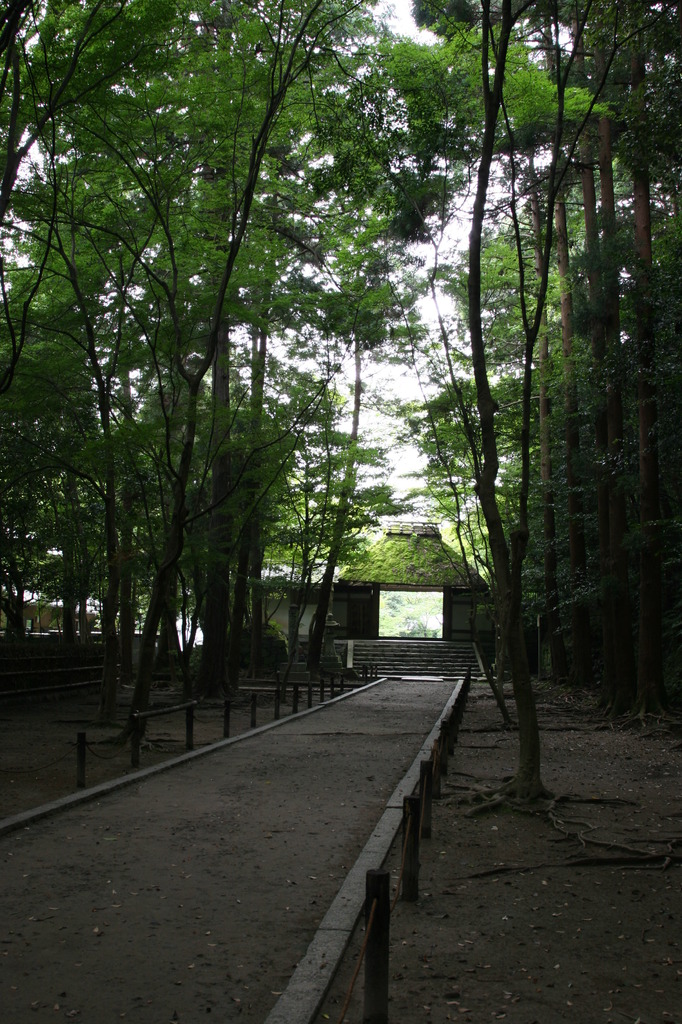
column 329, row 659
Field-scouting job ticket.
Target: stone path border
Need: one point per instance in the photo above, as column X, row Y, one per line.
column 304, row 995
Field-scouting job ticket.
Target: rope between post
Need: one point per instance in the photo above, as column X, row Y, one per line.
column 370, row 921
column 402, row 864
column 41, row 768
column 349, row 993
column 103, row 757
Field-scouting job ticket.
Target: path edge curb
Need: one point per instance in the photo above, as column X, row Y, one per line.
column 304, row 995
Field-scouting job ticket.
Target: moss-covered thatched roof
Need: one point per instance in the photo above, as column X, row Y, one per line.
column 408, row 555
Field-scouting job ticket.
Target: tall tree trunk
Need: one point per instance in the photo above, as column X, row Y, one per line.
column 241, row 589
column 69, row 633
column 165, row 573
column 83, row 622
column 250, row 482
column 155, row 610
column 625, row 679
column 650, row 687
column 554, row 628
column 581, row 647
column 83, row 579
column 555, row 632
column 495, row 679
column 212, row 676
column 103, row 377
column 126, row 614
column 339, row 526
column 69, row 563
column 601, row 433
column 108, row 692
column 256, row 574
column 507, row 563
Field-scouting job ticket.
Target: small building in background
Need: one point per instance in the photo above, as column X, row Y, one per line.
column 409, row 557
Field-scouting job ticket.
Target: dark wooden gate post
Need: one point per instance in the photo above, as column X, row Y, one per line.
column 378, row 910
column 411, row 815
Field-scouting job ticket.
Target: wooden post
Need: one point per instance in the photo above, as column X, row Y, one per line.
column 254, row 705
column 378, row 910
column 80, row 760
column 189, row 727
column 321, row 688
column 294, row 700
column 310, row 693
column 277, row 702
column 426, row 793
column 332, row 692
column 226, row 719
column 454, row 727
column 452, row 730
column 435, row 758
column 443, row 741
column 411, row 814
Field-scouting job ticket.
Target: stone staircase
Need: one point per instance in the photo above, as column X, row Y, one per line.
column 414, row 657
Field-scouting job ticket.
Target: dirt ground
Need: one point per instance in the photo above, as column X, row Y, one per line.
column 572, row 912
column 38, row 742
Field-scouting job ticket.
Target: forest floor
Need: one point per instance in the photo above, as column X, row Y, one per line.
column 569, row 912
column 38, row 742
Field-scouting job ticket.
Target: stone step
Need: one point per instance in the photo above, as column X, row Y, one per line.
column 413, row 657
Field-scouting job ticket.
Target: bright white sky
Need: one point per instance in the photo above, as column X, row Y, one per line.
column 402, row 20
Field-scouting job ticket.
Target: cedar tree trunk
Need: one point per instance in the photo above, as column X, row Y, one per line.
column 650, row 688
column 581, row 647
column 555, row 632
column 601, row 435
column 625, row 679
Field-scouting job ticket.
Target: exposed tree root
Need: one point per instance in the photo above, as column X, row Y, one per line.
column 484, row 801
column 648, row 719
column 514, row 793
column 525, row 791
column 603, row 801
column 487, row 802
column 651, row 860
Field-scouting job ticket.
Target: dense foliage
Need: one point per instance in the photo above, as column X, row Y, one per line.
column 226, row 226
